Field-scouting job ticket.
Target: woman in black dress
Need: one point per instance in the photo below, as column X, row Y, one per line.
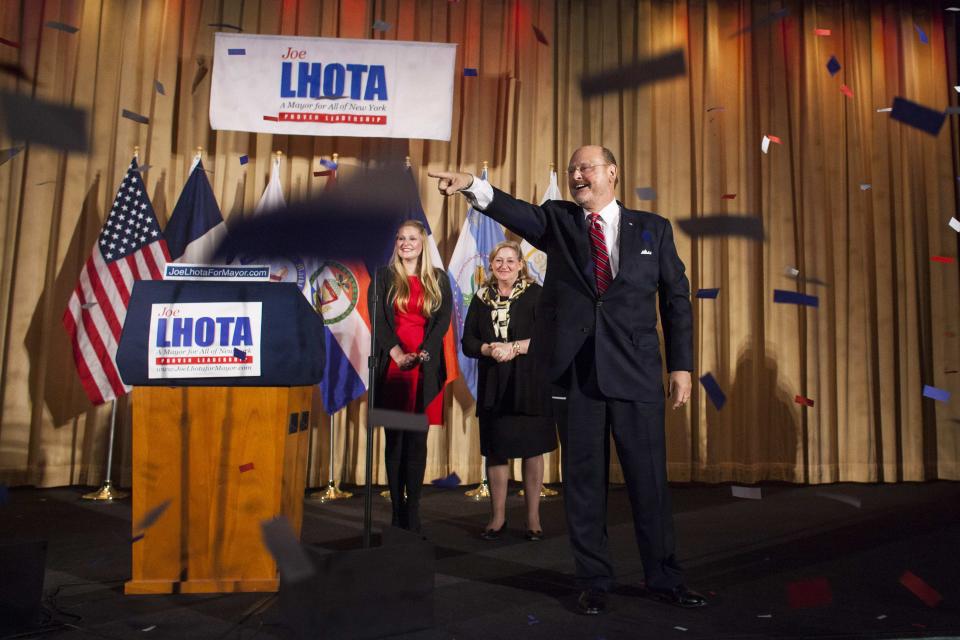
column 512, row 398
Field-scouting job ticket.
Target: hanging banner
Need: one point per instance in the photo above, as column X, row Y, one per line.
column 332, row 86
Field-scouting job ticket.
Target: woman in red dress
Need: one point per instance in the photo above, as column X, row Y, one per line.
column 412, row 316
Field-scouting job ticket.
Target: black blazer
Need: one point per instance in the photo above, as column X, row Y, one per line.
column 623, row 321
column 517, row 386
column 434, row 371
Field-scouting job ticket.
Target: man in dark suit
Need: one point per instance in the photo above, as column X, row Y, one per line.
column 606, row 266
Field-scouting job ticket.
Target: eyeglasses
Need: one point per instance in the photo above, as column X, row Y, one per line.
column 584, row 169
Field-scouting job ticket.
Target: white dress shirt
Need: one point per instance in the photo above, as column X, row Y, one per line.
column 480, row 195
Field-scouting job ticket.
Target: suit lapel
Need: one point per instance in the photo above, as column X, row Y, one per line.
column 582, row 254
column 629, row 238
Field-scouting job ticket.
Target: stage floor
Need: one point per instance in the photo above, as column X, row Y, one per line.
column 743, row 554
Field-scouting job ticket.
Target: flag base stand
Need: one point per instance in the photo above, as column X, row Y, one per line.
column 329, row 494
column 482, row 492
column 545, row 492
column 106, row 493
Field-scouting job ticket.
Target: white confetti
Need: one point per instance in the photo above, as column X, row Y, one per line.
column 954, row 224
column 884, row 110
column 765, row 145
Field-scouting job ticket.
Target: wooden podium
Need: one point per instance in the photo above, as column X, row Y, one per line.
column 223, row 458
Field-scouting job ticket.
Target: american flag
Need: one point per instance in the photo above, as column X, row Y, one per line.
column 130, row 248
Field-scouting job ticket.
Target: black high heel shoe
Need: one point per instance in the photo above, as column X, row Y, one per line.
column 493, row 534
column 534, row 535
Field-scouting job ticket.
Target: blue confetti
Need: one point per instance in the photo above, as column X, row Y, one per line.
column 833, row 66
column 452, row 480
column 244, row 159
column 792, row 297
column 646, row 193
column 936, row 394
column 708, row 293
column 469, row 71
column 236, row 52
column 239, row 354
column 710, row 385
column 329, row 164
column 532, row 619
column 923, row 36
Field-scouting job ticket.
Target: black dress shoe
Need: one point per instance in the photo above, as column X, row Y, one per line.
column 493, row 534
column 592, row 602
column 533, row 535
column 678, row 596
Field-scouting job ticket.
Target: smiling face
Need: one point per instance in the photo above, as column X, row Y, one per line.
column 409, row 244
column 591, row 178
column 506, row 266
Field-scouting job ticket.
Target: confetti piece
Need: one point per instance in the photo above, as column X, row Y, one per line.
column 159, row 87
column 136, row 538
column 791, row 272
column 766, row 615
column 807, row 594
column 807, row 402
column 943, row 259
column 10, row 43
column 542, row 39
column 956, row 88
column 88, row 305
column 714, row 392
column 236, row 52
column 728, row 196
column 635, row 74
column 952, row 9
column 271, row 118
column 46, row 123
column 865, row 186
column 246, row 467
column 840, row 497
column 934, row 393
column 8, row 154
column 847, row 91
column 833, row 66
column 921, row 34
column 722, row 225
column 708, row 293
column 774, row 139
column 452, row 480
column 821, row 32
column 882, row 617
column 532, row 619
column 917, row 115
column 150, row 517
column 244, row 159
column 317, row 174
column 380, row 25
column 239, row 354
column 921, row 589
column 765, row 144
column 954, row 224
column 40, row 184
column 763, row 22
column 469, row 72
column 200, row 74
column 646, row 193
column 681, row 628
column 224, row 25
column 884, row 109
column 748, row 493
column 793, row 297
column 150, row 628
column 62, row 26
column 292, row 560
column 136, row 117
column 709, row 109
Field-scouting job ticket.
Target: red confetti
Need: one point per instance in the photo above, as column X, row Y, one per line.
column 847, row 91
column 271, row 118
column 807, row 594
column 921, row 589
column 246, row 467
column 774, row 139
column 10, row 43
column 317, row 174
column 822, row 32
column 805, row 401
column 943, row 259
column 728, row 196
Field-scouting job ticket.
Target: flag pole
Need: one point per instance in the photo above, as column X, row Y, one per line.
column 331, row 492
column 106, row 492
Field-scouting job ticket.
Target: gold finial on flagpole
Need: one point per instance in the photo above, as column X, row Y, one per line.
column 136, row 152
column 278, row 153
column 335, row 156
column 553, row 167
column 485, row 165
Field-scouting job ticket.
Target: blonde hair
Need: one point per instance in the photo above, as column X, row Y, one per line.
column 491, row 280
column 400, row 288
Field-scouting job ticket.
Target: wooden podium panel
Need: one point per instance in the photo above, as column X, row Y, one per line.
column 226, row 458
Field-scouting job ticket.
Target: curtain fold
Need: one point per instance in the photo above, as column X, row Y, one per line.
column 849, row 197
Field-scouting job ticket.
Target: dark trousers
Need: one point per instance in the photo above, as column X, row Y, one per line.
column 585, row 421
column 405, row 456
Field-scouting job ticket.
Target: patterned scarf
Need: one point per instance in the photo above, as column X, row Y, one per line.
column 500, row 309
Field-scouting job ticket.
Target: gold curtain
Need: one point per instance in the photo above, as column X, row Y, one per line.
column 887, row 323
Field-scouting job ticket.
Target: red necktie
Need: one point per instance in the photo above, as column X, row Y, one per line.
column 601, row 259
